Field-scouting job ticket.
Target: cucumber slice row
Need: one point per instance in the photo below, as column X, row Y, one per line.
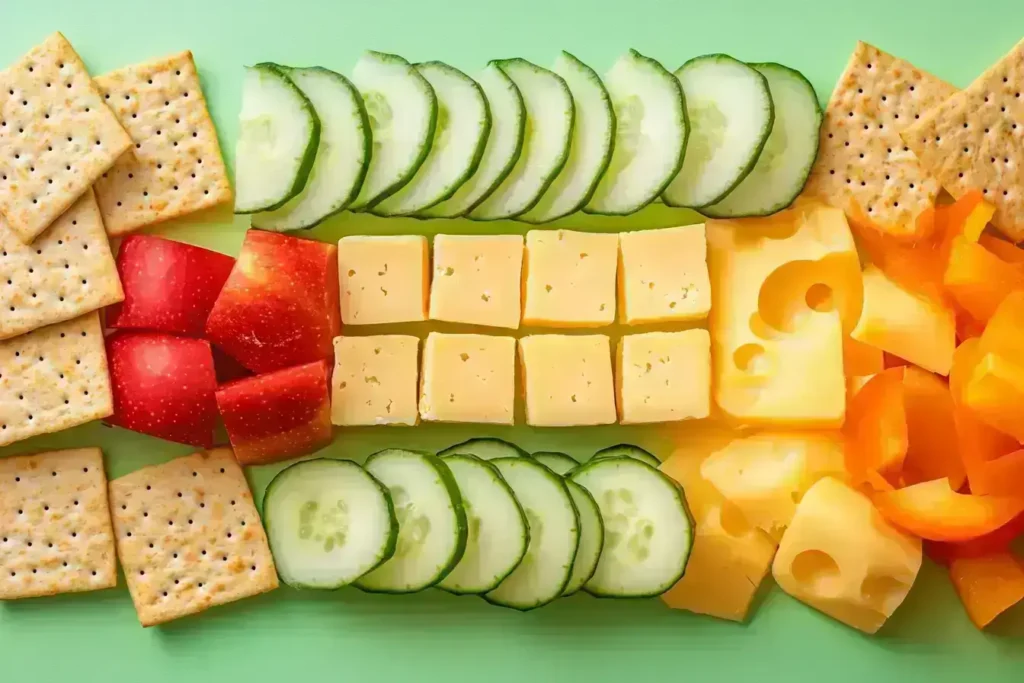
column 731, row 114
column 279, row 132
column 402, row 110
column 432, row 527
column 559, row 463
column 628, row 450
column 463, row 124
column 485, row 448
column 591, row 538
column 328, row 523
column 648, row 527
column 341, row 157
column 550, row 115
column 788, row 155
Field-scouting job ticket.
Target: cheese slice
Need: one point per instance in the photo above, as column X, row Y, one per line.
column 841, row 557
column 784, row 289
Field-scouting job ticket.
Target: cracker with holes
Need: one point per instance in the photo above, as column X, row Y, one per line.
column 56, row 136
column 975, row 140
column 55, row 532
column 175, row 166
column 67, row 272
column 53, row 378
column 189, row 537
column 861, row 159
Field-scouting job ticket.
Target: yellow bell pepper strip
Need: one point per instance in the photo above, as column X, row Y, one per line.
column 876, row 429
column 979, row 280
column 1003, row 332
column 995, row 393
column 988, row 586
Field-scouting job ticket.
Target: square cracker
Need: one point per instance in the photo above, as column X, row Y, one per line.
column 53, row 378
column 55, row 532
column 175, row 166
column 67, row 272
column 56, row 136
column 861, row 157
column 189, row 537
column 975, row 140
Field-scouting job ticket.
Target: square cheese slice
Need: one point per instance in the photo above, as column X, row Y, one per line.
column 477, row 279
column 569, row 278
column 383, row 279
column 374, row 381
column 567, row 380
column 468, row 378
column 663, row 275
column 663, row 376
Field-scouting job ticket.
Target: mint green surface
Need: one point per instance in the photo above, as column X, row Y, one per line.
column 434, row 637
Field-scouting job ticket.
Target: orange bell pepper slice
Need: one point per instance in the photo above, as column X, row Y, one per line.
column 996, row 542
column 1003, row 332
column 876, row 428
column 1007, row 251
column 978, row 280
column 932, row 448
column 934, row 511
column 988, row 586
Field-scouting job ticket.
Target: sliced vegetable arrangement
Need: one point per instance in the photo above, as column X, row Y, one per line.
column 526, row 142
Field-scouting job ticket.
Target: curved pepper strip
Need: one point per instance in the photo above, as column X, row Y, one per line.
column 990, row 544
column 876, row 429
column 988, row 586
column 1007, row 251
column 932, row 448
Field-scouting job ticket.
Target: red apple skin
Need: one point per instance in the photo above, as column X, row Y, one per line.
column 280, row 305
column 279, row 415
column 168, row 286
column 163, row 386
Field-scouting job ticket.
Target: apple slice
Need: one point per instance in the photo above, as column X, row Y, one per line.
column 280, row 305
column 168, row 286
column 278, row 415
column 163, row 386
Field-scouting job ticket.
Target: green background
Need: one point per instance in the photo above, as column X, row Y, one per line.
column 434, row 637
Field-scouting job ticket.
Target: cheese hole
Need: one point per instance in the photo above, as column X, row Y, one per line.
column 750, row 358
column 881, row 591
column 814, row 568
column 732, row 520
column 819, row 298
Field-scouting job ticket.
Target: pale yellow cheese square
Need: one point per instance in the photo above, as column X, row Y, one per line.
column 468, row 378
column 663, row 376
column 663, row 275
column 567, row 380
column 476, row 279
column 384, row 279
column 569, row 278
column 374, row 380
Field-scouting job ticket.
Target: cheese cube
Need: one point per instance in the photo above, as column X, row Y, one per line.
column 374, row 381
column 567, row 380
column 840, row 556
column 477, row 280
column 468, row 378
column 906, row 324
column 663, row 275
column 784, row 289
column 663, row 376
column 569, row 278
column 383, row 279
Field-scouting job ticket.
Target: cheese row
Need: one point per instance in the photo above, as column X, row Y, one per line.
column 553, row 278
column 566, row 380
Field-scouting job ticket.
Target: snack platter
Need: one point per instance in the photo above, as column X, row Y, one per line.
column 596, row 365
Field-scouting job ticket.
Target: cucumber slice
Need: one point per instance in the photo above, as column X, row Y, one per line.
column 630, row 451
column 648, row 528
column 559, row 463
column 550, row 114
column 341, row 158
column 402, row 110
column 785, row 162
column 650, row 135
column 554, row 536
column 591, row 149
column 279, row 132
column 486, row 449
column 502, row 150
column 731, row 115
column 431, row 522
column 463, row 123
column 328, row 523
column 498, row 534
column 591, row 537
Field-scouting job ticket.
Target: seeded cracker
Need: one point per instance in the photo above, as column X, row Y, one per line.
column 861, row 157
column 67, row 272
column 975, row 139
column 189, row 537
column 56, row 136
column 55, row 533
column 175, row 166
column 53, row 378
